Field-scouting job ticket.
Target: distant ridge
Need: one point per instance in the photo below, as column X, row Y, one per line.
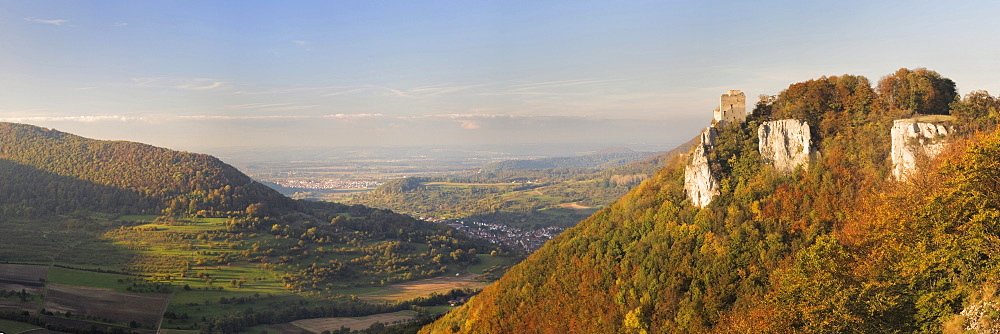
column 602, row 159
column 153, row 179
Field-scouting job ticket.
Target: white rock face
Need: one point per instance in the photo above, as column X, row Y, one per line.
column 699, row 184
column 784, row 144
column 912, row 140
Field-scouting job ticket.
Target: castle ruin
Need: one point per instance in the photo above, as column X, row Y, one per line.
column 699, row 183
column 732, row 107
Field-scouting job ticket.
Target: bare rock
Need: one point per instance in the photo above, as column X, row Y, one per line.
column 699, row 183
column 913, row 140
column 784, row 144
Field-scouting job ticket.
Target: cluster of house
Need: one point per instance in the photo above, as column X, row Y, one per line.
column 328, row 184
column 524, row 239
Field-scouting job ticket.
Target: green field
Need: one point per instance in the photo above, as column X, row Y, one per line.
column 192, row 331
column 205, row 268
column 418, row 288
column 461, row 185
column 440, row 309
column 486, row 261
column 13, row 327
column 257, row 279
column 138, row 218
column 261, row 329
column 88, row 279
column 64, row 240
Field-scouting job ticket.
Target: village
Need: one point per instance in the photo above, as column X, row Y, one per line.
column 524, row 240
column 328, row 184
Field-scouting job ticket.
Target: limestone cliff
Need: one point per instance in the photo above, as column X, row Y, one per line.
column 699, row 183
column 913, row 140
column 784, row 144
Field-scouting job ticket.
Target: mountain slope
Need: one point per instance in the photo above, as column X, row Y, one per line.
column 70, row 203
column 28, row 191
column 817, row 250
column 160, row 179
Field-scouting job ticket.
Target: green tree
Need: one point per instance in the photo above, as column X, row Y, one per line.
column 920, row 91
column 978, row 111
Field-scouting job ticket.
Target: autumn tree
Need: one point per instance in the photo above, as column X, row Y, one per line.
column 919, row 91
column 978, row 111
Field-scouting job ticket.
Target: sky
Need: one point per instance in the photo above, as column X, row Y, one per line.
column 207, row 75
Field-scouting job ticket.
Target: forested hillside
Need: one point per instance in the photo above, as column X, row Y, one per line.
column 146, row 221
column 836, row 246
column 153, row 179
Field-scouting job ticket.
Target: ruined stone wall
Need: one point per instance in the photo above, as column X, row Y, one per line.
column 732, row 107
column 784, row 144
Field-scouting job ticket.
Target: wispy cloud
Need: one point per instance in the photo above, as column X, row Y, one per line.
column 46, row 21
column 427, row 91
column 364, row 89
column 161, row 118
column 119, row 24
column 180, row 83
column 255, row 106
column 353, row 116
column 345, row 92
column 271, row 106
column 83, row 119
column 202, row 85
column 240, row 117
column 306, row 45
column 466, row 116
column 288, row 90
column 560, row 83
column 543, row 88
column 393, row 91
column 469, row 125
column 439, row 90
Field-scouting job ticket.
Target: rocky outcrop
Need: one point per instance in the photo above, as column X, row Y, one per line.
column 699, row 183
column 784, row 144
column 913, row 140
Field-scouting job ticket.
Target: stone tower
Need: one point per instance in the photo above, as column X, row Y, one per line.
column 732, row 107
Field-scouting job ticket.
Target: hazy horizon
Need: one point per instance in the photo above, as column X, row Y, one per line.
column 206, row 76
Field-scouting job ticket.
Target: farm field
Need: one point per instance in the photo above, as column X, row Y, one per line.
column 22, row 277
column 23, row 273
column 209, row 304
column 179, row 331
column 83, row 278
column 192, row 269
column 76, row 323
column 15, row 277
column 355, row 323
column 574, row 206
column 65, row 240
column 13, row 327
column 457, row 184
column 486, row 261
column 106, row 304
column 419, row 288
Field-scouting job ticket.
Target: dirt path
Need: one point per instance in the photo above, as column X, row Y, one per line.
column 159, row 323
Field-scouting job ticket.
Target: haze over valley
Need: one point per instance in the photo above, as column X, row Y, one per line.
column 317, row 167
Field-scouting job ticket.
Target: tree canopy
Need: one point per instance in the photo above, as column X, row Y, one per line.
column 920, row 91
column 835, row 247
